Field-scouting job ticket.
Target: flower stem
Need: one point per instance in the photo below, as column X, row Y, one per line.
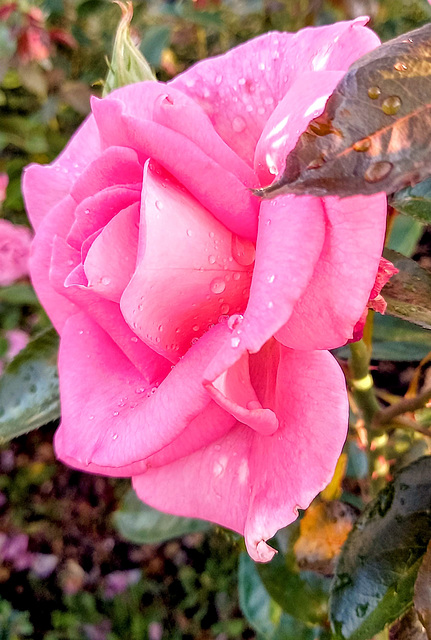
column 362, row 383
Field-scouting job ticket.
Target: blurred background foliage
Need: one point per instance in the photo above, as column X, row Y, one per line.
column 80, row 557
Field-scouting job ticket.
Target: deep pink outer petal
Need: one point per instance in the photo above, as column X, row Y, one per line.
column 44, row 186
column 334, row 301
column 114, row 416
column 240, row 89
column 252, row 483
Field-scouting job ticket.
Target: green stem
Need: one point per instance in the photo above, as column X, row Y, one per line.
column 362, row 382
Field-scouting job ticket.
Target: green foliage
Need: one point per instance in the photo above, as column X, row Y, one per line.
column 378, row 565
column 14, row 625
column 414, row 201
column 142, row 524
column 29, row 396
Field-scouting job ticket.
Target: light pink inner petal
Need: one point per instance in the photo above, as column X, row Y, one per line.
column 234, row 205
column 305, row 100
column 233, row 391
column 94, row 212
column 115, row 166
column 336, row 297
column 239, row 90
column 191, row 269
column 111, row 259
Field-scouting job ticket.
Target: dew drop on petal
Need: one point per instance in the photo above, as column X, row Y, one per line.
column 235, row 341
column 116, row 413
column 218, row 285
column 270, row 278
column 238, row 124
column 234, row 321
column 400, row 66
column 105, row 281
column 243, row 250
column 134, row 339
column 362, row 145
column 211, row 259
column 159, row 205
column 114, row 436
column 195, row 327
column 224, row 309
column 189, row 233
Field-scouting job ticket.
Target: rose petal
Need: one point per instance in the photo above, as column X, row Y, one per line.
column 234, row 205
column 304, row 100
column 112, row 415
column 252, row 483
column 191, row 269
column 325, row 315
column 111, row 259
column 240, row 89
column 44, row 186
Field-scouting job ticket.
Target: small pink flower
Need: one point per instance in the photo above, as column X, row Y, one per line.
column 14, row 252
column 194, row 318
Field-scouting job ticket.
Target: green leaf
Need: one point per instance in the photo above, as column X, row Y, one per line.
column 414, row 201
column 302, row 594
column 377, row 569
column 263, row 613
column 422, row 596
column 19, row 294
column 405, row 235
column 408, row 293
column 142, row 524
column 156, row 38
column 29, row 396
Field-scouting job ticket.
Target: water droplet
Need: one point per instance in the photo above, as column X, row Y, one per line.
column 114, row 436
column 261, row 66
column 269, row 100
column 249, row 108
column 235, row 341
column 400, row 66
column 320, row 127
column 243, row 250
column 91, row 417
column 236, row 276
column 159, row 205
column 270, row 304
column 211, row 259
column 268, row 222
column 242, row 81
column 218, row 79
column 374, row 92
column 116, row 413
column 378, row 171
column 234, row 321
column 105, row 281
column 362, row 145
column 270, row 278
column 189, row 233
column 81, row 332
column 133, row 339
column 140, row 390
column 211, row 234
column 238, row 124
column 87, row 211
column 196, row 327
column 194, row 340
column 224, row 308
column 160, row 327
column 218, row 285
column 391, row 105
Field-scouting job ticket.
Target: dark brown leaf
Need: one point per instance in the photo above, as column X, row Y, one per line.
column 375, row 132
column 422, row 599
column 408, row 293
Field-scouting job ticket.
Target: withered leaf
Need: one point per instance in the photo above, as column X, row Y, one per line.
column 422, row 598
column 375, row 132
column 408, row 293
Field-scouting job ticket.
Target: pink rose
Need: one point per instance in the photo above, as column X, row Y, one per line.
column 14, row 252
column 192, row 315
